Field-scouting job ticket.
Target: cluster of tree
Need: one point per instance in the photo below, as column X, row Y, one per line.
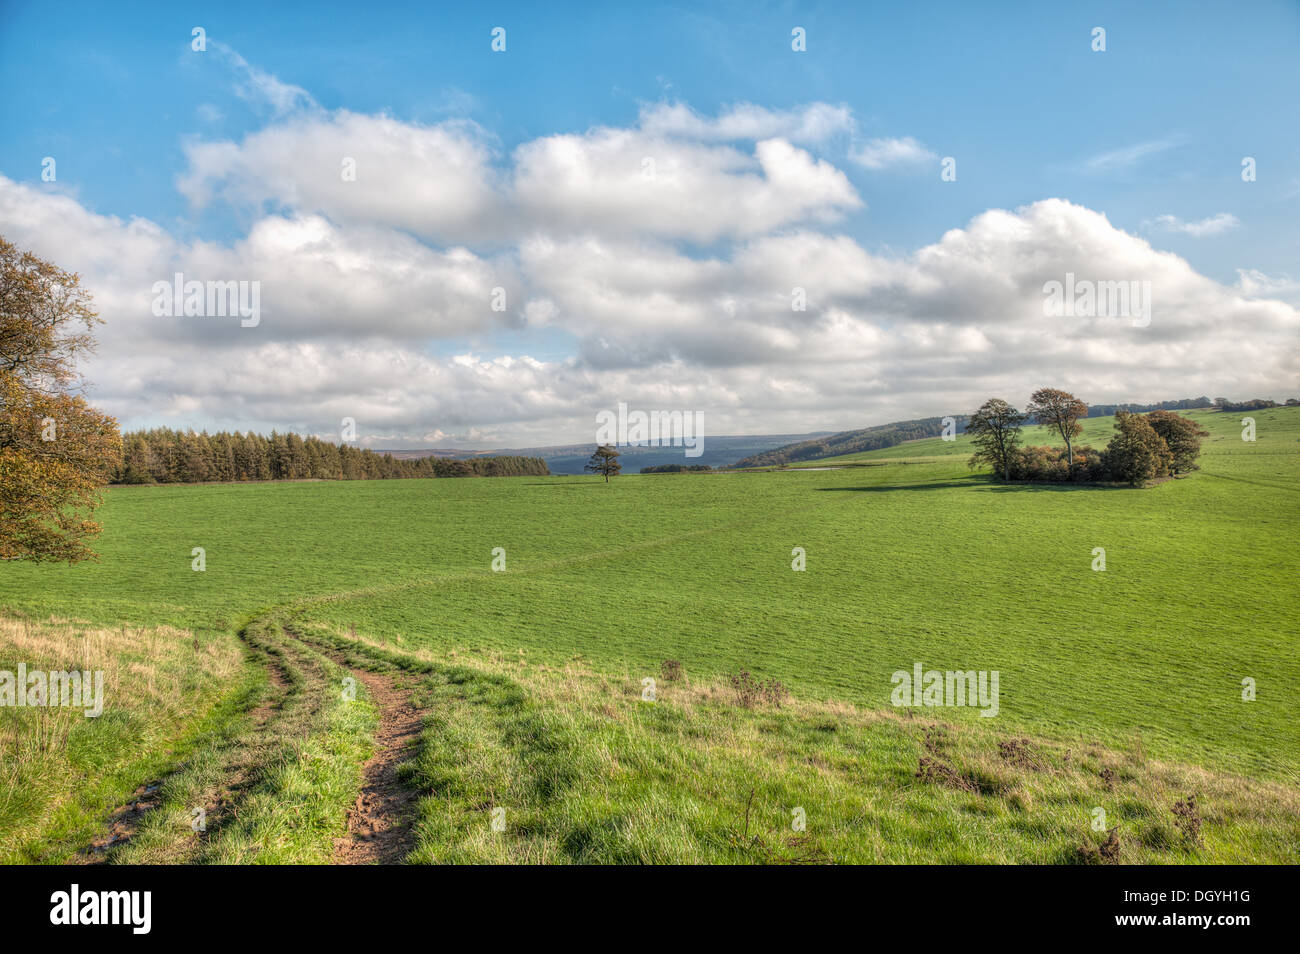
column 166, row 456
column 1258, row 404
column 1145, row 446
column 675, row 468
column 852, row 442
column 56, row 451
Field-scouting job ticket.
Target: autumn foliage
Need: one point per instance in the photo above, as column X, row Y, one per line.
column 56, row 451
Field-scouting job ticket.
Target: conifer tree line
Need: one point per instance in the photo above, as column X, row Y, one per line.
column 166, row 456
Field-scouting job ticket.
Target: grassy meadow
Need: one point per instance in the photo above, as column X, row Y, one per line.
column 1124, row 685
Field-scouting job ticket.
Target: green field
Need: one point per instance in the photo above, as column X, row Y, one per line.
column 911, row 557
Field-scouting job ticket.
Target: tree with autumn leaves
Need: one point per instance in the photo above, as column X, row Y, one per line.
column 56, row 451
column 1060, row 411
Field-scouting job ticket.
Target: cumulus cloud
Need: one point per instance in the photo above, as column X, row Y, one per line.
column 436, row 181
column 317, row 279
column 378, row 292
column 624, row 182
column 440, row 181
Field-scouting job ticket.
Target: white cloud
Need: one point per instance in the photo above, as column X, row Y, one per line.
column 317, row 279
column 813, row 124
column 440, row 182
column 1126, row 156
column 1212, row 225
column 350, row 312
column 261, row 88
column 622, row 182
column 435, row 181
column 376, row 293
column 1252, row 283
column 883, row 153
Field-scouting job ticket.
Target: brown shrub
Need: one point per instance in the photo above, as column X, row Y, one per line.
column 1107, row 853
column 751, row 691
column 941, row 773
column 1021, row 753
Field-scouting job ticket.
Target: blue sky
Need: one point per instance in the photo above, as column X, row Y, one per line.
column 1151, row 132
column 1017, row 96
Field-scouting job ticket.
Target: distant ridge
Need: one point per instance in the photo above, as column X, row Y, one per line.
column 852, row 442
column 769, row 450
column 887, row 435
column 720, row 451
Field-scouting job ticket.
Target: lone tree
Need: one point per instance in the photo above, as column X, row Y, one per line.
column 604, row 461
column 996, row 432
column 1183, row 437
column 1060, row 410
column 56, row 451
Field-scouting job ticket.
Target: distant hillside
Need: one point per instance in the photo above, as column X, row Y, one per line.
column 852, row 442
column 887, row 435
column 569, row 458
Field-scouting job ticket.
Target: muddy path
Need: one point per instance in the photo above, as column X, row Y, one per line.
column 122, row 824
column 300, row 675
column 381, row 827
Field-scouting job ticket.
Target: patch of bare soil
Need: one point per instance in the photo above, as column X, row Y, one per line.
column 380, row 824
column 122, row 824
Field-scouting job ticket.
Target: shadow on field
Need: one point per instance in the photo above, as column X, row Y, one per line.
column 930, row 485
column 980, row 482
column 973, row 481
column 573, row 483
column 1051, row 487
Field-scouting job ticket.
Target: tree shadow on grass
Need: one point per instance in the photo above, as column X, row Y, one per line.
column 879, row 488
column 572, row 484
column 983, row 482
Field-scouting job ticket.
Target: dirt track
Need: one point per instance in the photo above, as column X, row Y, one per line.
column 380, row 824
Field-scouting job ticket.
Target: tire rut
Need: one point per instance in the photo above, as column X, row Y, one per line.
column 381, row 822
column 125, row 820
